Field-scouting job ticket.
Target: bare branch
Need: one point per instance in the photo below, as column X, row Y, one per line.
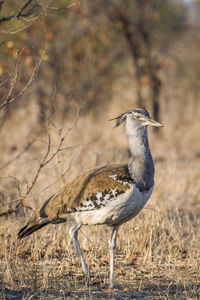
column 42, row 164
column 63, row 174
column 23, row 8
column 11, row 99
column 21, row 12
column 19, row 200
column 16, row 30
column 65, row 7
column 56, row 152
column 14, row 81
column 27, row 10
column 3, row 82
column 45, row 161
column 76, row 119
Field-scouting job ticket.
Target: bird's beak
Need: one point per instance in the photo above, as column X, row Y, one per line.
column 152, row 122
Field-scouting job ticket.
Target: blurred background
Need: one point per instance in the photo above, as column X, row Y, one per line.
column 66, row 68
column 75, row 64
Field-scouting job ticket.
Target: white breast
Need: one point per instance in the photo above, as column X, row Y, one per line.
column 119, row 210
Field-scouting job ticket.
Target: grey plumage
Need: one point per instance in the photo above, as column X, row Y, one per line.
column 108, row 195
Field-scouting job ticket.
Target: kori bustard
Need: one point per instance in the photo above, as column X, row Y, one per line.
column 110, row 195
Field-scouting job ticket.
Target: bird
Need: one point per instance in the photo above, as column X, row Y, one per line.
column 110, row 194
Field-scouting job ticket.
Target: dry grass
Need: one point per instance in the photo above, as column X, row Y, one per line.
column 157, row 252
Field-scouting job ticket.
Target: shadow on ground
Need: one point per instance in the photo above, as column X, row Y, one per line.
column 146, row 292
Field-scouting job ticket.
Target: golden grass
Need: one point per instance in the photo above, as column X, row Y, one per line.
column 157, row 253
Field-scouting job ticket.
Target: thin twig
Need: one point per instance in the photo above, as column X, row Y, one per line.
column 3, row 82
column 14, row 81
column 17, row 30
column 63, row 174
column 23, row 8
column 76, row 119
column 19, row 200
column 56, row 152
column 42, row 164
column 31, row 80
column 45, row 161
column 20, row 12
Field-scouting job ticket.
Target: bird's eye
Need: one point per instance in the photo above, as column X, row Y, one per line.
column 137, row 117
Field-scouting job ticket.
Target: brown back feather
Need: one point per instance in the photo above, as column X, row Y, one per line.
column 82, row 187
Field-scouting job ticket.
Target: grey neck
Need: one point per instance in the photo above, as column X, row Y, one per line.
column 141, row 166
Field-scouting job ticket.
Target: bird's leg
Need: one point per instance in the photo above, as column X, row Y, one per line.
column 112, row 247
column 74, row 235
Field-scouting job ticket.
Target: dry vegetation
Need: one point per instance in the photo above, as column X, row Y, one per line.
column 157, row 254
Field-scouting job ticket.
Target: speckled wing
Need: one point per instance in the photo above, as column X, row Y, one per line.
column 89, row 191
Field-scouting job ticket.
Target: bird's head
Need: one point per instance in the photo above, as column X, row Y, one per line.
column 137, row 118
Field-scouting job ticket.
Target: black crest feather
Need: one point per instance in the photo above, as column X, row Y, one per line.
column 119, row 120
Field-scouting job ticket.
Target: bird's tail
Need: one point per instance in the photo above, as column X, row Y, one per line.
column 33, row 226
